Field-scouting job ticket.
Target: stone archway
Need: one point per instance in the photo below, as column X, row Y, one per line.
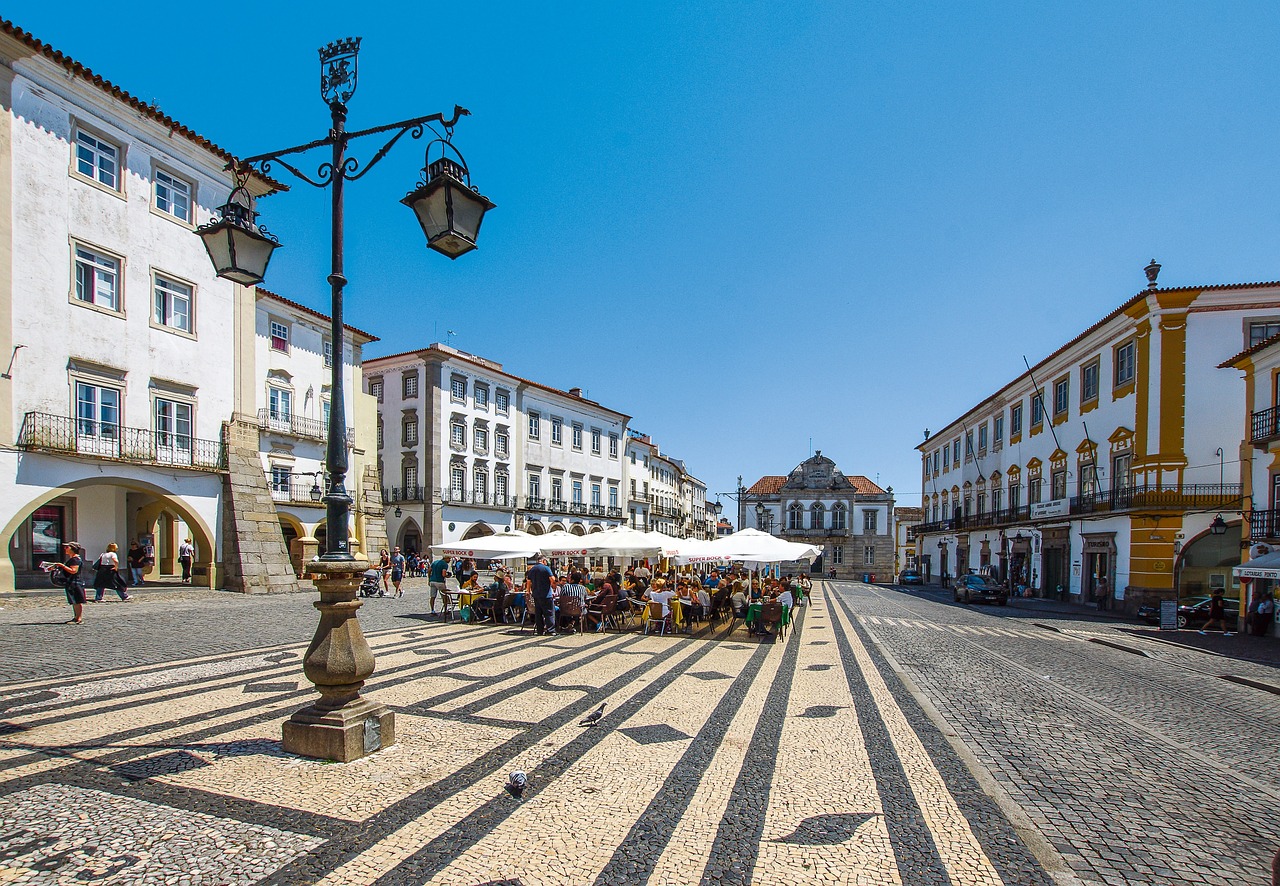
column 206, row 568
column 533, row 527
column 577, row 529
column 478, row 530
column 409, row 538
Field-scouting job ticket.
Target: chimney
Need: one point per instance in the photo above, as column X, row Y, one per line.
column 575, row 392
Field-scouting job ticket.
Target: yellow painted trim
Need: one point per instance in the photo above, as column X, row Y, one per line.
column 1121, row 392
column 1037, row 429
column 1173, row 384
column 1060, row 419
column 1015, row 438
column 1178, row 299
column 1141, row 377
column 1086, row 408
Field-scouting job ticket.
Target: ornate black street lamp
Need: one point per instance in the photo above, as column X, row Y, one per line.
column 342, row 725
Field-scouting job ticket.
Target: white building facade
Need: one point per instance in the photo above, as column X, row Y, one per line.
column 1096, row 476
column 468, row 449
column 117, row 336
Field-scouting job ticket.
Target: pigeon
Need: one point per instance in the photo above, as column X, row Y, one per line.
column 594, row 717
column 516, row 782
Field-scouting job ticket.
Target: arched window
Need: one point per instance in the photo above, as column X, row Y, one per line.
column 838, row 516
column 817, row 516
column 795, row 517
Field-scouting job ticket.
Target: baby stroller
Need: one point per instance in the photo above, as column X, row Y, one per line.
column 371, row 584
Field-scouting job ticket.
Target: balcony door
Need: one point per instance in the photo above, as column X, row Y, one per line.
column 173, row 432
column 97, row 420
column 279, row 409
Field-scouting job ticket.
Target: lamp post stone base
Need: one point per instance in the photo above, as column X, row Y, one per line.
column 341, row 725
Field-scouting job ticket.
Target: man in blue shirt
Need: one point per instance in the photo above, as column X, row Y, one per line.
column 436, row 578
column 539, row 589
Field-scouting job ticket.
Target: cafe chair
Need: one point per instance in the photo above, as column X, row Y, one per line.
column 654, row 616
column 771, row 614
column 571, row 610
column 449, row 599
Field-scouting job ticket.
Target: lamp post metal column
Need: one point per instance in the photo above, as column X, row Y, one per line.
column 342, row 725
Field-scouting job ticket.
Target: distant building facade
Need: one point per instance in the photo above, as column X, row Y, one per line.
column 849, row 517
column 905, row 523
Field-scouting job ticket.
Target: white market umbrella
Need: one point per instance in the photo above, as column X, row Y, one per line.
column 754, row 546
column 502, row 546
column 561, row 544
column 623, row 541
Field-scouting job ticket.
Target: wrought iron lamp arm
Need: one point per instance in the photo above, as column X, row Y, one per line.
column 352, row 169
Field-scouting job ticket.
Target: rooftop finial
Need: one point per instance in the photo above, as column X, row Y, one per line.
column 1152, row 271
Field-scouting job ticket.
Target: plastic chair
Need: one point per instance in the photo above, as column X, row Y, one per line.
column 771, row 614
column 571, row 609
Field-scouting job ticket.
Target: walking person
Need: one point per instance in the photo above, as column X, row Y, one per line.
column 384, row 568
column 540, row 586
column 186, row 556
column 106, row 574
column 1217, row 614
column 397, row 571
column 72, row 565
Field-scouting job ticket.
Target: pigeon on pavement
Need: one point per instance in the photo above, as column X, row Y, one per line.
column 594, row 717
column 516, row 782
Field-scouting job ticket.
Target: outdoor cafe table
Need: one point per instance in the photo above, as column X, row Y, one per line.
column 753, row 614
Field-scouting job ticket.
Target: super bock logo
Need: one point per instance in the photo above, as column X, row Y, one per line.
column 338, row 70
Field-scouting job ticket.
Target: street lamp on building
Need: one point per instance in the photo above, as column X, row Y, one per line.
column 343, row 726
column 1218, row 526
column 764, row 518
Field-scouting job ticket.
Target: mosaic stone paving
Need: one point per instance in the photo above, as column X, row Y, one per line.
column 717, row 760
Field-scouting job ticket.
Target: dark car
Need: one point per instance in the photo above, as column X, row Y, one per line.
column 980, row 589
column 910, row 577
column 1193, row 612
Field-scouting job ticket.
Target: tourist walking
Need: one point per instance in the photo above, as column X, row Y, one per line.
column 186, row 556
column 106, row 574
column 397, row 570
column 72, row 567
column 384, row 568
column 137, row 563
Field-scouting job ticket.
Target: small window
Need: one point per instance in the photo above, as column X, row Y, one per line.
column 577, row 492
column 557, row 489
column 595, row 441
column 410, row 386
column 982, row 437
column 458, row 435
column 997, row 430
column 869, row 521
column 535, row 486
column 97, row 279
column 595, row 494
column 98, row 159
column 1061, row 396
column 458, row 389
column 481, row 441
column 1015, row 420
column 968, row 446
column 502, row 402
column 557, row 431
column 482, row 397
column 535, row 426
column 173, row 196
column 327, row 347
column 1089, row 382
column 1059, row 485
column 409, row 475
column 869, row 555
column 946, row 458
column 1260, row 332
column 1037, row 410
column 577, row 436
column 173, row 304
column 1125, row 363
column 281, row 480
column 410, row 435
column 375, row 388
column 280, row 338
column 955, row 450
column 613, row 446
column 500, row 444
column 837, row 555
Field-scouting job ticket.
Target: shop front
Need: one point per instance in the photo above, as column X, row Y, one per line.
column 1098, row 581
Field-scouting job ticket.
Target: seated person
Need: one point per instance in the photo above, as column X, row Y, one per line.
column 739, row 601
column 597, row 604
column 493, row 592
column 659, row 594
column 785, row 598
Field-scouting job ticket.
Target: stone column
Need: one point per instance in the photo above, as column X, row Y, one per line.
column 341, row 725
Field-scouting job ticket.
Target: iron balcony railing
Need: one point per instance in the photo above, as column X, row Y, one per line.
column 97, row 439
column 534, row 503
column 401, row 493
column 1127, row 498
column 298, row 426
column 1265, row 425
column 294, row 493
column 1264, row 525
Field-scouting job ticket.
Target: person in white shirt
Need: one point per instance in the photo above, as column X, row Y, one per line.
column 660, row 594
column 786, row 599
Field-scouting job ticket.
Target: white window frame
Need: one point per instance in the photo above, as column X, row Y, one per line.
column 409, row 386
column 163, row 180
column 576, row 491
column 613, row 446
column 534, row 485
column 375, row 388
column 170, row 435
column 458, row 481
column 480, row 439
column 458, row 389
column 595, row 441
column 166, row 296
column 101, row 265
column 97, row 152
column 278, row 331
column 1126, row 364
column 501, row 444
column 282, row 480
column 409, row 430
column 326, row 348
column 535, row 425
column 557, row 489
column 595, row 495
column 502, row 402
column 577, row 436
column 458, row 434
column 480, row 395
column 557, row 431
column 278, row 417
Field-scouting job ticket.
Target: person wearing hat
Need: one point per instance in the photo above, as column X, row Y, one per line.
column 540, row 588
column 73, row 567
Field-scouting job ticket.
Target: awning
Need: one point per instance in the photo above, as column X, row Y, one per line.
column 1266, row 566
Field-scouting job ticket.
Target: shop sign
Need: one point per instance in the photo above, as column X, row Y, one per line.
column 1044, row 509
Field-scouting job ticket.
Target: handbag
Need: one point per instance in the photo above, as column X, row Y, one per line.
column 59, row 578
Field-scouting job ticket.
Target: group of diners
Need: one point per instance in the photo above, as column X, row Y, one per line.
column 572, row 598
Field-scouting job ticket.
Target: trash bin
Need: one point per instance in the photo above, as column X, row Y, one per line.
column 866, row 577
column 873, row 578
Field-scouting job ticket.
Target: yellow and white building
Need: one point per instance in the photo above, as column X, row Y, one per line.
column 1100, row 470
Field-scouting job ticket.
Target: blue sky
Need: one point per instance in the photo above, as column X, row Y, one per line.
column 752, row 225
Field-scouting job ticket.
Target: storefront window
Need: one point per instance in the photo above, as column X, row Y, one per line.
column 46, row 535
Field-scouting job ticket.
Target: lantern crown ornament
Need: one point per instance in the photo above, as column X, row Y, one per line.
column 448, row 207
column 238, row 246
column 338, row 70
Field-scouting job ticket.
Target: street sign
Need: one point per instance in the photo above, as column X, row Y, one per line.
column 1168, row 615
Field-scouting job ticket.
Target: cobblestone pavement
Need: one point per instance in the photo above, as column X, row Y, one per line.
column 1135, row 759
column 143, row 747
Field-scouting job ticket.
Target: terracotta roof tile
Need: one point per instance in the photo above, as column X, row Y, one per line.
column 772, row 485
column 267, row 293
column 147, row 110
column 1250, row 351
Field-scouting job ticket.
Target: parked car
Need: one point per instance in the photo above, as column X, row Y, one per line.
column 980, row 589
column 1193, row 612
column 910, row 577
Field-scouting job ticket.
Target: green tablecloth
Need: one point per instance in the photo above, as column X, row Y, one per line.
column 753, row 613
